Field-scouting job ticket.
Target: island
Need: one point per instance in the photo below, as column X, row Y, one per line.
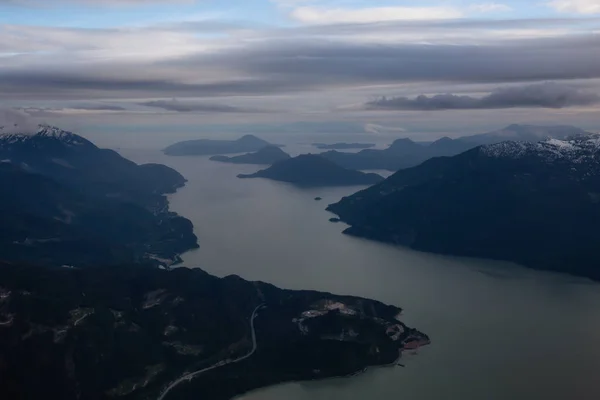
column 208, row 147
column 343, row 146
column 135, row 332
column 536, row 204
column 311, row 170
column 67, row 202
column 268, row 155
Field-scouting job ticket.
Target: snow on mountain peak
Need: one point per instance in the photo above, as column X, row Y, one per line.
column 577, row 149
column 16, row 135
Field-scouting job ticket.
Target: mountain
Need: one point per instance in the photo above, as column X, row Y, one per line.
column 343, row 146
column 448, row 147
column 525, row 133
column 65, row 201
column 537, row 204
column 136, row 333
column 267, row 155
column 313, row 170
column 404, row 153
column 204, row 147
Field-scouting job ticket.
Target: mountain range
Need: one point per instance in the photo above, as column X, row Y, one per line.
column 537, row 204
column 205, row 147
column 310, row 170
column 405, row 153
column 67, row 202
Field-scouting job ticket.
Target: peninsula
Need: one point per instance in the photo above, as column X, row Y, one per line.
column 311, row 170
column 141, row 333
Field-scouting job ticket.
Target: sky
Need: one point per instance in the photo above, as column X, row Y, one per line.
column 374, row 67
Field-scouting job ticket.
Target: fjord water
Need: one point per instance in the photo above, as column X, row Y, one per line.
column 498, row 331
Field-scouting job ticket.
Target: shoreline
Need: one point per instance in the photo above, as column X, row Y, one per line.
column 364, row 371
column 361, row 372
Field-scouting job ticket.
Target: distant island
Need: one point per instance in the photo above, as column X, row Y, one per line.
column 268, row 155
column 343, row 146
column 536, row 204
column 206, row 147
column 311, row 170
column 405, row 153
column 66, row 202
column 141, row 333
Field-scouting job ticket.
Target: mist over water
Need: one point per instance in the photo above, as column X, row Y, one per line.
column 498, row 331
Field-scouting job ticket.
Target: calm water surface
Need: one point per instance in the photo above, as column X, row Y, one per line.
column 499, row 331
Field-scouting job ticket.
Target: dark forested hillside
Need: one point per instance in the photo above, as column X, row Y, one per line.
column 533, row 203
column 65, row 201
column 131, row 332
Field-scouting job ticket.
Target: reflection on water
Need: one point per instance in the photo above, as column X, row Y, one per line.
column 499, row 331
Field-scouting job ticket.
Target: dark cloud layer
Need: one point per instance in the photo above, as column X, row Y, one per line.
column 541, row 59
column 281, row 63
column 100, row 83
column 97, row 107
column 545, row 95
column 176, row 105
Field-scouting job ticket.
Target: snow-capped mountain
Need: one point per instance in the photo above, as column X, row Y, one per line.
column 526, row 133
column 537, row 204
column 67, row 202
column 69, row 158
column 12, row 135
column 578, row 149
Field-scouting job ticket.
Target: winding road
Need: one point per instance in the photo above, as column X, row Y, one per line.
column 192, row 375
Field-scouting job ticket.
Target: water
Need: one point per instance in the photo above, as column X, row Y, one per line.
column 499, row 331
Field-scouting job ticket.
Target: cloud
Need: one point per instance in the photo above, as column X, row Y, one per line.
column 278, row 66
column 322, row 15
column 490, row 7
column 179, row 106
column 97, row 107
column 157, row 62
column 332, row 63
column 576, row 6
column 14, row 121
column 545, row 95
column 377, row 129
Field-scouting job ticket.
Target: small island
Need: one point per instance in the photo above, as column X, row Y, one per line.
column 309, row 170
column 343, row 146
column 209, row 147
column 268, row 155
column 141, row 333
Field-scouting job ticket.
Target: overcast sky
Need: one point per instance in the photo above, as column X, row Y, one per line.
column 386, row 66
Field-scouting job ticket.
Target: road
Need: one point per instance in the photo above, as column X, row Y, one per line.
column 193, row 375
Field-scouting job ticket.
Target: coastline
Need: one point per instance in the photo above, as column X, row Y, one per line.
column 364, row 371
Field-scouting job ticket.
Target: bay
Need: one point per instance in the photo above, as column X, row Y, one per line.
column 498, row 331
